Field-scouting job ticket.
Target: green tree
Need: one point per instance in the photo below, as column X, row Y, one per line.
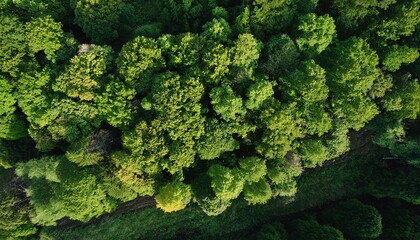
column 270, row 16
column 396, row 55
column 253, row 169
column 257, row 192
column 272, row 231
column 306, row 84
column 403, row 100
column 351, row 13
column 280, row 129
column 355, row 219
column 313, row 153
column 115, row 105
column 311, row 230
column 13, row 46
column 401, row 20
column 173, row 197
column 137, row 60
column 226, row 103
column 43, row 168
column 280, row 56
column 216, row 140
column 98, row 19
column 44, row 34
column 315, row 33
column 77, row 196
column 258, row 93
column 176, row 103
column 226, row 183
column 217, row 29
column 83, row 77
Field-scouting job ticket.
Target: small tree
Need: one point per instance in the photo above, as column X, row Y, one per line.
column 173, row 197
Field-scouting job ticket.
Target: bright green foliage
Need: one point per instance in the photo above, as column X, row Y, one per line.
column 404, row 101
column 137, row 60
column 272, row 231
column 176, row 102
column 356, row 112
column 43, row 168
column 258, row 92
column 401, row 21
column 216, row 140
column 257, row 192
column 34, row 97
column 279, row 132
column 317, row 120
column 281, row 55
column 13, row 44
column 183, row 50
column 217, row 29
column 381, row 85
column 180, row 156
column 271, row 15
column 131, row 175
column 173, row 197
column 98, row 19
column 115, row 188
column 253, row 169
column 246, row 51
column 213, row 207
column 351, row 73
column 44, row 34
column 226, row 103
column 39, row 8
column 283, row 172
column 7, row 101
column 397, row 55
column 114, row 103
column 312, row 230
column 4, row 156
column 242, row 21
column 351, row 13
column 83, row 76
column 12, row 126
column 351, row 67
column 307, row 84
column 337, row 140
column 355, row 219
column 315, row 33
column 217, row 61
column 313, row 153
column 78, row 196
column 226, row 183
column 146, row 145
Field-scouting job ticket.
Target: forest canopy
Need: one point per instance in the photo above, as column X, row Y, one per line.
column 194, row 101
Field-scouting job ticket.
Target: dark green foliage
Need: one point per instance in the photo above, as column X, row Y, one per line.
column 312, row 230
column 281, row 55
column 400, row 223
column 355, row 219
column 98, row 19
column 272, row 231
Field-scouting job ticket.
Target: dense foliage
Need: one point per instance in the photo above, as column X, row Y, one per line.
column 200, row 101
